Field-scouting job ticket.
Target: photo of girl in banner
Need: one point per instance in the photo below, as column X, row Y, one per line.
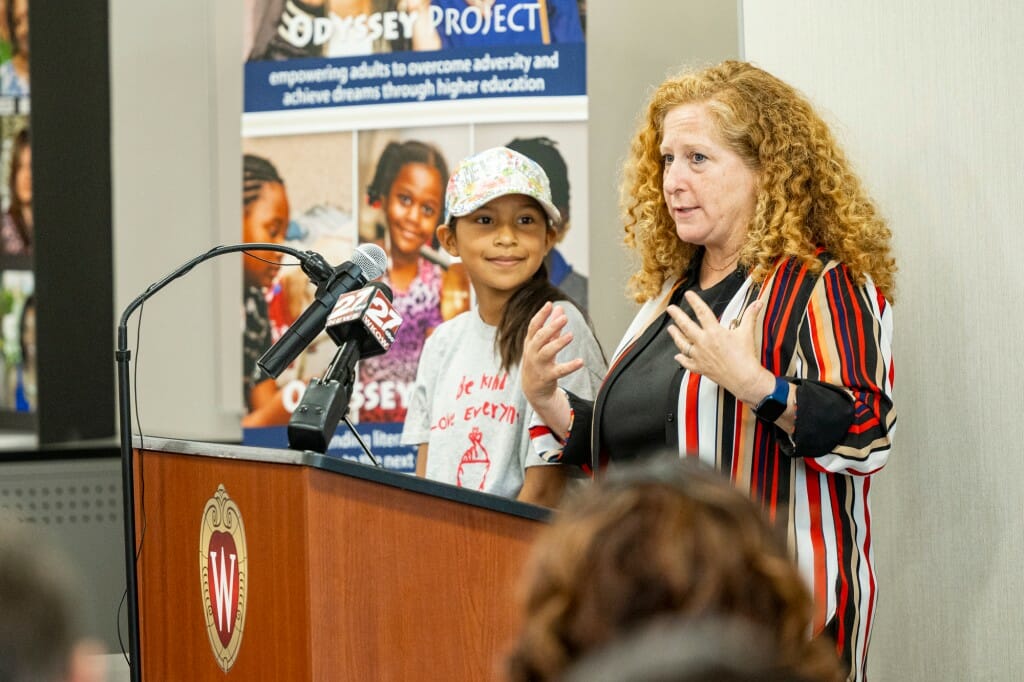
column 265, row 214
column 297, row 191
column 405, row 198
column 17, row 231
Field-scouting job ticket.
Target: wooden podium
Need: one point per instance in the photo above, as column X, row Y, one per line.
column 345, row 571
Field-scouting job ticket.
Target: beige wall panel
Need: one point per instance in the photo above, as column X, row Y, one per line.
column 631, row 48
column 926, row 97
column 176, row 99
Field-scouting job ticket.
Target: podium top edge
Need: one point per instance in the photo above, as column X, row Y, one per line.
column 341, row 466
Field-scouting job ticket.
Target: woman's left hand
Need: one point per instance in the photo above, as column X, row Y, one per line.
column 726, row 356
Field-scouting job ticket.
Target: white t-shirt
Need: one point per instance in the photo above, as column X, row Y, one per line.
column 473, row 416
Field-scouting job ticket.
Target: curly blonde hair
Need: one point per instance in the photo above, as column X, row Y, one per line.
column 667, row 538
column 808, row 197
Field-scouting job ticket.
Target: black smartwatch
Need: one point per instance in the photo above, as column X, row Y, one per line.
column 773, row 405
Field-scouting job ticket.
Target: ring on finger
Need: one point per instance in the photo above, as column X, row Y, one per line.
column 689, row 351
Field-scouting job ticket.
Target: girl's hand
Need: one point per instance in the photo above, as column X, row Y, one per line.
column 726, row 356
column 540, row 369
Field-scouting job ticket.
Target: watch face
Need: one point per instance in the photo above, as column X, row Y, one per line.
column 770, row 409
column 773, row 405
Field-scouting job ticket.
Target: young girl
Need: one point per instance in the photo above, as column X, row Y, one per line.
column 16, row 233
column 408, row 188
column 467, row 412
column 265, row 215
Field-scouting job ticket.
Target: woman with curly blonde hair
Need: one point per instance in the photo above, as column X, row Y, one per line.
column 764, row 343
column 658, row 547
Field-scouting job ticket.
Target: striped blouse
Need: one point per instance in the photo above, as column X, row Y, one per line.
column 833, row 339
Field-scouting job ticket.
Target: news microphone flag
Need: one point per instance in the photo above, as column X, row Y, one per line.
column 366, row 316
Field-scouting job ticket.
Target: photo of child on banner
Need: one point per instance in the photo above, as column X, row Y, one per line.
column 17, row 232
column 296, row 190
column 17, row 279
column 405, row 184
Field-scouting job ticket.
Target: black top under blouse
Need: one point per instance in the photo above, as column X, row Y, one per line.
column 644, row 384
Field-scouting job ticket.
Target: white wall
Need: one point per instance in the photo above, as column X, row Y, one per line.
column 175, row 107
column 926, row 96
column 631, row 48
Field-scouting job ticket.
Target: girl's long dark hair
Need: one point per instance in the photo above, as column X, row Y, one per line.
column 523, row 305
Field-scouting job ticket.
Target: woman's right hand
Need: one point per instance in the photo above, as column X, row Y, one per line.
column 540, row 370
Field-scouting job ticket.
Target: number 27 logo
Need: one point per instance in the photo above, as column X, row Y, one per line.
column 349, row 306
column 383, row 315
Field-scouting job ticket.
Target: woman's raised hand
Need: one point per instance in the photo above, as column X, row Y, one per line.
column 727, row 356
column 540, row 369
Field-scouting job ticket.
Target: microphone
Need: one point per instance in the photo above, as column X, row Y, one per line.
column 363, row 324
column 437, row 257
column 367, row 318
column 368, row 262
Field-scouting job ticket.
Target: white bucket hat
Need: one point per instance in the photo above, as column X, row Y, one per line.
column 494, row 173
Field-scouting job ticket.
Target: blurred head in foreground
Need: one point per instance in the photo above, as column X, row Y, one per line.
column 40, row 640
column 663, row 539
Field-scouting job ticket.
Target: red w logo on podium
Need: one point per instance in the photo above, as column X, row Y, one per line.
column 222, row 569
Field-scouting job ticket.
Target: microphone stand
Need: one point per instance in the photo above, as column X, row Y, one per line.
column 325, row 403
column 316, row 268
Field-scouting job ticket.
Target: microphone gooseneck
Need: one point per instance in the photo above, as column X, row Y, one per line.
column 314, row 265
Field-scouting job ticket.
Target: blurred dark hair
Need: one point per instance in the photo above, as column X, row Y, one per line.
column 9, row 18
column 30, row 304
column 16, row 210
column 656, row 539
column 256, row 172
column 398, row 154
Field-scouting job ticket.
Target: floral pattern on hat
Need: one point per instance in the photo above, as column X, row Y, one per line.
column 493, row 173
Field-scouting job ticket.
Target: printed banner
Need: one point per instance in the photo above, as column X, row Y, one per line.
column 355, row 112
column 514, row 71
column 18, row 368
